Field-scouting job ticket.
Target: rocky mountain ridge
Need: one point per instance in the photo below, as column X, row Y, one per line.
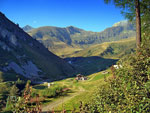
column 57, row 39
column 22, row 55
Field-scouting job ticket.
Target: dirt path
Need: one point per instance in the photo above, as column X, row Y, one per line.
column 61, row 100
column 78, row 90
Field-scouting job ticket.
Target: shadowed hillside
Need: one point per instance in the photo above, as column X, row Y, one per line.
column 90, row 65
column 22, row 55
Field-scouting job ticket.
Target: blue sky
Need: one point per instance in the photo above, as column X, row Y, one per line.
column 91, row 15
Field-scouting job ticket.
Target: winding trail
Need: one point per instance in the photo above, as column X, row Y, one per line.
column 61, row 100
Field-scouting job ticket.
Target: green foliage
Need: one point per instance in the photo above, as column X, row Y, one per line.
column 14, row 91
column 145, row 12
column 129, row 90
column 20, row 83
column 9, row 95
column 52, row 92
column 128, row 9
column 43, row 91
column 11, row 101
column 4, row 91
column 23, row 104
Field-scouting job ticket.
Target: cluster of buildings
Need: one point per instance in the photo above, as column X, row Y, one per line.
column 81, row 77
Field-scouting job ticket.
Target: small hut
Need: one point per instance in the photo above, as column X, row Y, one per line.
column 80, row 77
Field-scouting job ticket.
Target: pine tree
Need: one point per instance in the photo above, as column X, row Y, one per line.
column 132, row 8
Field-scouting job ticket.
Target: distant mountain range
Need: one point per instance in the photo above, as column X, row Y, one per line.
column 22, row 56
column 64, row 41
column 87, row 51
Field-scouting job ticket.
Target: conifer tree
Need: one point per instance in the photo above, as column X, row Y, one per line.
column 132, row 8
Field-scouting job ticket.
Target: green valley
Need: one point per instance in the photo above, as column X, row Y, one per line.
column 68, row 69
column 84, row 52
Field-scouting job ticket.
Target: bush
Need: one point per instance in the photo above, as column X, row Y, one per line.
column 52, row 92
column 129, row 91
column 4, row 91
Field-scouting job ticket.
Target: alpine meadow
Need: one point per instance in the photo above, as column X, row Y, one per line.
column 74, row 56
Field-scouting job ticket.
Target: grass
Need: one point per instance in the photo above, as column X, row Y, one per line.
column 74, row 103
column 62, row 49
column 86, row 91
column 81, row 91
column 114, row 49
column 99, row 77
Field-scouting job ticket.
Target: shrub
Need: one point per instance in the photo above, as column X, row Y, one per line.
column 129, row 91
column 52, row 92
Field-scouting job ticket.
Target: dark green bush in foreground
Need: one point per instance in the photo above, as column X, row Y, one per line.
column 129, row 90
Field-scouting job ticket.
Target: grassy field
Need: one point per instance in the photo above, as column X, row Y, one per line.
column 80, row 91
column 86, row 91
column 114, row 49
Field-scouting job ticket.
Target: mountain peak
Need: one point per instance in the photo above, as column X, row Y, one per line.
column 71, row 26
column 121, row 23
column 27, row 28
column 74, row 30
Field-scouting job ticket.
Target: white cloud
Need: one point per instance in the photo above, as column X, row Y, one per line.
column 34, row 21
